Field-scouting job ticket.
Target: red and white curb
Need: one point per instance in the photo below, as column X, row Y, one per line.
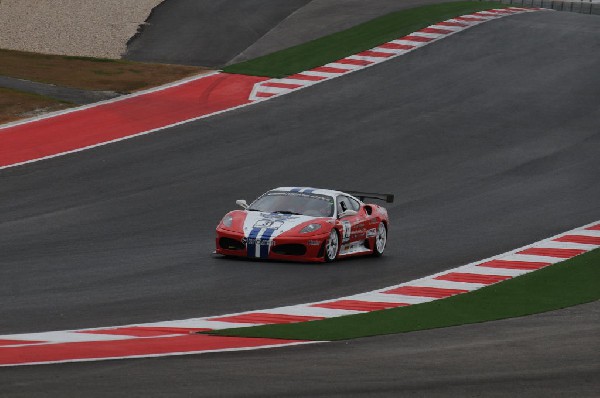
column 179, row 338
column 195, row 98
column 381, row 53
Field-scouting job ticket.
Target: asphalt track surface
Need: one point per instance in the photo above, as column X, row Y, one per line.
column 214, row 33
column 206, row 32
column 489, row 139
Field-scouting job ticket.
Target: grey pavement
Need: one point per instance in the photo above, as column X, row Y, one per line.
column 206, row 32
column 215, row 33
column 488, row 138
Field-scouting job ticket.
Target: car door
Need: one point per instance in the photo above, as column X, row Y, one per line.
column 352, row 226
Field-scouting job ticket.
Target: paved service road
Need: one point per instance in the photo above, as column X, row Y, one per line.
column 213, row 33
column 206, row 32
column 489, row 140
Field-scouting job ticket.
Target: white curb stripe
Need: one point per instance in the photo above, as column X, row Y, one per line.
column 390, row 298
column 530, row 258
column 475, row 269
column 442, row 284
column 307, row 310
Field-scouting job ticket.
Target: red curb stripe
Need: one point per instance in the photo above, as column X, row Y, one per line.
column 436, row 30
column 376, row 54
column 558, row 253
column 260, row 317
column 501, row 11
column 359, row 62
column 586, row 240
column 139, row 331
column 395, row 46
column 474, row 19
column 264, row 94
column 524, row 265
column 127, row 348
column 594, row 228
column 300, row 76
column 15, row 342
column 473, row 278
column 358, row 305
column 329, row 69
column 124, row 118
column 422, row 291
column 420, row 39
column 446, row 23
column 281, row 85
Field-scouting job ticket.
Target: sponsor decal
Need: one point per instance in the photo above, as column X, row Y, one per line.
column 371, row 233
column 273, row 221
column 261, row 242
column 346, row 228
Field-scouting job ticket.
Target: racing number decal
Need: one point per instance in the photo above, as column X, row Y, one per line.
column 347, row 227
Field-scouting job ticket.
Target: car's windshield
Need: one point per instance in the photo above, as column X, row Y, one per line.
column 294, row 203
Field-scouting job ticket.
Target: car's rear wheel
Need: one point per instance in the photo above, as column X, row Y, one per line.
column 380, row 240
column 332, row 246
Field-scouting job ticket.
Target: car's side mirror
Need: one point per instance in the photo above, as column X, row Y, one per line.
column 347, row 213
column 242, row 203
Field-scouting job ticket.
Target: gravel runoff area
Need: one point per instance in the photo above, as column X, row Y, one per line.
column 72, row 27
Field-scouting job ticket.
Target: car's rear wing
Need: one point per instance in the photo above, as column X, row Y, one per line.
column 388, row 197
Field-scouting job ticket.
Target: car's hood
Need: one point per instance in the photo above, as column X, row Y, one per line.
column 272, row 224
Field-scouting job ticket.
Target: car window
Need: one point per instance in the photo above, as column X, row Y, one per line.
column 354, row 205
column 294, row 203
column 343, row 204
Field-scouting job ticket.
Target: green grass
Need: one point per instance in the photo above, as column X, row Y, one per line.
column 359, row 38
column 561, row 285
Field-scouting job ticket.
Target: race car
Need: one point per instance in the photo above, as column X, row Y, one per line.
column 305, row 224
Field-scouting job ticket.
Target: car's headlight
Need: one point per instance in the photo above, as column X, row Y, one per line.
column 227, row 220
column 310, row 228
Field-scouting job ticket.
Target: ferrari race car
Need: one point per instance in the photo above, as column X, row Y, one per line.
column 305, row 224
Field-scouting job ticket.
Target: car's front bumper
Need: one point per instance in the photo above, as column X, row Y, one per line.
column 287, row 248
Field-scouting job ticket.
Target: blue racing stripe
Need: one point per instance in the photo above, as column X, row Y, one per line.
column 251, row 245
column 266, row 236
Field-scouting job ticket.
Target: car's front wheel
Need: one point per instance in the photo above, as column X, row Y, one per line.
column 380, row 240
column 332, row 246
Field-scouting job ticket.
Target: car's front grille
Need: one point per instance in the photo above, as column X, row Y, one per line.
column 292, row 249
column 231, row 244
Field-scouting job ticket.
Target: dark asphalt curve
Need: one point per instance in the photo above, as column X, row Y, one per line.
column 489, row 139
column 545, row 355
column 214, row 33
column 206, row 32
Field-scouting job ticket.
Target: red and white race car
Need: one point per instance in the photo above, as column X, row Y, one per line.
column 305, row 224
